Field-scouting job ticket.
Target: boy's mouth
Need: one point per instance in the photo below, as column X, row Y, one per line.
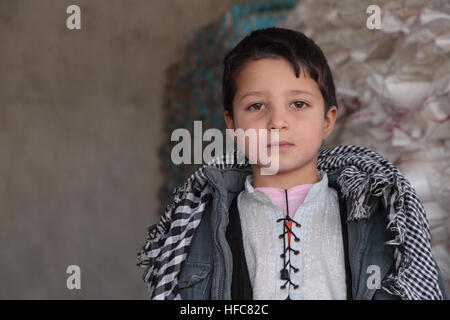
column 282, row 145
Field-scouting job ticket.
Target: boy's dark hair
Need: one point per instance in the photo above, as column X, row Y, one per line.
column 284, row 43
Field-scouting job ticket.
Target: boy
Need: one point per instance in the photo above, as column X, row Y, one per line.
column 336, row 223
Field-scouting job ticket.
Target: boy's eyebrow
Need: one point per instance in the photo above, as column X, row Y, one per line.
column 261, row 93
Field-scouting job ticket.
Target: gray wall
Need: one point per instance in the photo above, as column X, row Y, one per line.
column 80, row 123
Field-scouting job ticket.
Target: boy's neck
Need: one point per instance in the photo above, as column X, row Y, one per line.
column 285, row 180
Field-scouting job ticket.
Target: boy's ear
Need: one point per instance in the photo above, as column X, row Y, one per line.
column 330, row 121
column 228, row 120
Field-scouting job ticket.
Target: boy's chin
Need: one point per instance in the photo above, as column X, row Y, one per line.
column 280, row 169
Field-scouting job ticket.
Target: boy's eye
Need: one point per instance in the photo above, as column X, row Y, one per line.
column 256, row 106
column 299, row 104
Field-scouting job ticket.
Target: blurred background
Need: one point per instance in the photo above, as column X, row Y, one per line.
column 86, row 117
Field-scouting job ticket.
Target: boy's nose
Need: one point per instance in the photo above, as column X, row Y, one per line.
column 277, row 120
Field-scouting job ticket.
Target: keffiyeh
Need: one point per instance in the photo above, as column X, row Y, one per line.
column 365, row 173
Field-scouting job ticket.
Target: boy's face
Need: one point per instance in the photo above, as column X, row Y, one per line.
column 269, row 96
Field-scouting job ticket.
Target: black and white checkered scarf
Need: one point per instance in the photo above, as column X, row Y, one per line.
column 366, row 173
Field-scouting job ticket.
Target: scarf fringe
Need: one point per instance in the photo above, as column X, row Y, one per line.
column 397, row 282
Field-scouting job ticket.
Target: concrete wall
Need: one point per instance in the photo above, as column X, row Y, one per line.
column 80, row 123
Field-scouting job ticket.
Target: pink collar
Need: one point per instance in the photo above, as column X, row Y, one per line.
column 295, row 196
